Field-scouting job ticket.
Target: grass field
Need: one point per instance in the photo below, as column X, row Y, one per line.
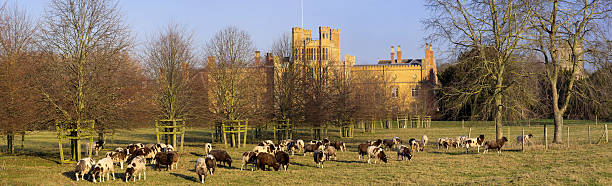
column 578, row 164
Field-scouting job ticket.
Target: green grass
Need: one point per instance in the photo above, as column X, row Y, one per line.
column 578, row 164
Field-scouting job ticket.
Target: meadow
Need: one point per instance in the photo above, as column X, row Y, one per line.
column 579, row 163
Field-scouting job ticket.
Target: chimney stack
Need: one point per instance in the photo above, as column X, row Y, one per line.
column 399, row 54
column 257, row 59
column 269, row 59
column 392, row 55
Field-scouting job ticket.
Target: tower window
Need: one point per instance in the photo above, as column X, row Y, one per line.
column 395, row 92
column 415, row 92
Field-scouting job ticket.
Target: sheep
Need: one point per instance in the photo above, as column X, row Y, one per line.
column 474, row 142
column 118, row 156
column 519, row 139
column 329, row 152
column 338, row 145
column 273, row 148
column 377, row 143
column 325, row 141
column 200, row 169
column 168, row 148
column 207, row 148
column 376, row 153
column 132, row 148
column 136, row 166
column 221, row 156
column 98, row 146
column 495, row 144
column 416, row 145
column 404, row 152
column 363, row 149
column 211, row 164
column 388, row 143
column 166, row 158
column 103, row 167
column 283, row 159
column 424, row 139
column 148, row 154
column 312, row 147
column 248, row 158
column 292, row 147
column 259, row 149
column 460, row 140
column 444, row 142
column 284, row 143
column 300, row 144
column 397, row 140
column 319, row 158
column 83, row 167
column 268, row 159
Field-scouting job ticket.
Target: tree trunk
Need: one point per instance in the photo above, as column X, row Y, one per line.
column 498, row 103
column 22, row 141
column 557, row 113
column 9, row 141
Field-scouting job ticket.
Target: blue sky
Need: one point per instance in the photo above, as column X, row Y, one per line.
column 368, row 28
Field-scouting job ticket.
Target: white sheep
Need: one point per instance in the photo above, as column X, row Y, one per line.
column 83, row 167
column 103, row 167
column 136, row 166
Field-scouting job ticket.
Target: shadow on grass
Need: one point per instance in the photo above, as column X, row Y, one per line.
column 196, row 154
column 453, row 153
column 301, row 165
column 70, row 175
column 351, row 161
column 190, row 178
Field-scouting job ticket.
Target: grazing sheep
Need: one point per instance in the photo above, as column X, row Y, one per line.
column 474, row 142
column 326, row 141
column 211, row 164
column 416, row 145
column 329, row 152
column 268, row 159
column 424, row 139
column 445, row 142
column 284, row 143
column 338, row 145
column 300, row 144
column 148, row 154
column 388, row 143
column 319, row 158
column 460, row 140
column 312, row 147
column 221, row 156
column 376, row 143
column 376, row 153
column 249, row 158
column 98, row 146
column 292, row 147
column 136, row 166
column 169, row 159
column 103, row 167
column 495, row 144
column 404, row 152
column 83, row 167
column 519, row 139
column 118, row 156
column 283, row 159
column 132, row 148
column 207, row 148
column 200, row 169
column 259, row 149
column 274, row 148
column 363, row 149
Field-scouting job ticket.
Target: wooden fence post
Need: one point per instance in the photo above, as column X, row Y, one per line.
column 606, row 132
column 523, row 141
column 545, row 138
column 470, row 134
column 568, row 137
column 462, row 123
column 589, row 134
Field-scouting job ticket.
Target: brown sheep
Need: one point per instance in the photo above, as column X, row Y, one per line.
column 268, row 159
column 166, row 158
column 329, row 152
column 495, row 144
column 211, row 164
column 363, row 150
column 404, row 152
column 319, row 158
column 221, row 156
column 283, row 159
column 200, row 169
column 248, row 158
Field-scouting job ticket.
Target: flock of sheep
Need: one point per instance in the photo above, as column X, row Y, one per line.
column 266, row 153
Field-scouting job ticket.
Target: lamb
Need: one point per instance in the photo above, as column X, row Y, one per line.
column 83, row 167
column 200, row 169
column 118, row 156
column 404, row 152
column 329, row 152
column 283, row 159
column 136, row 166
column 338, row 145
column 474, row 142
column 424, row 139
column 519, row 139
column 319, row 158
column 249, row 158
column 312, row 147
column 166, row 158
column 221, row 156
column 268, row 159
column 495, row 144
column 207, row 148
column 103, row 167
column 376, row 153
column 211, row 164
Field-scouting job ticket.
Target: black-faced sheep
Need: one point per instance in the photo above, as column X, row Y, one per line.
column 136, row 166
column 404, row 152
column 363, row 149
column 325, row 141
column 495, row 144
column 474, row 142
column 338, row 145
column 329, row 152
column 526, row 138
column 319, row 158
column 98, row 146
column 376, row 153
column 283, row 159
column 268, row 159
column 207, row 148
column 169, row 159
column 211, row 164
column 200, row 169
column 249, row 158
column 221, row 156
column 103, row 167
column 83, row 167
column 118, row 156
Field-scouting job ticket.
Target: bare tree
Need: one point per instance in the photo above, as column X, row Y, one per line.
column 287, row 81
column 168, row 57
column 562, row 30
column 476, row 24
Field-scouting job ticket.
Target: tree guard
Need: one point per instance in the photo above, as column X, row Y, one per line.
column 346, row 130
column 426, row 122
column 284, row 129
column 402, row 121
column 169, row 128
column 234, row 127
column 75, row 132
column 316, row 133
column 415, row 121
